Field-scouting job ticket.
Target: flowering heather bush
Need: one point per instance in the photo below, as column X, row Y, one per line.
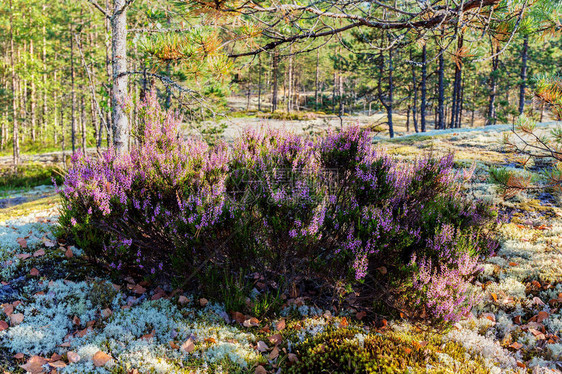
column 156, row 207
column 333, row 207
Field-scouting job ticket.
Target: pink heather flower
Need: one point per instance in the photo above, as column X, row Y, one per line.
column 73, row 221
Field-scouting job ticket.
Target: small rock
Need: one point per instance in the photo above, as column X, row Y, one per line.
column 203, row 302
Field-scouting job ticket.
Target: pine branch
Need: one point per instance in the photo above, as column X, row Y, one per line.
column 98, row 7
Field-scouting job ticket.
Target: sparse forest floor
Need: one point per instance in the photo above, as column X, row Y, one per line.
column 61, row 314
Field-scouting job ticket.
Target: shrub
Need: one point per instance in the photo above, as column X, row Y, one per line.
column 285, row 206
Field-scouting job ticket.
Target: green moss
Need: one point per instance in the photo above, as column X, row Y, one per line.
column 350, row 350
column 534, row 205
column 411, row 140
column 288, row 116
column 403, row 150
column 102, row 294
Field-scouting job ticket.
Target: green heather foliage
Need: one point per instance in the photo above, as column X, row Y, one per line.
column 351, row 350
column 331, row 208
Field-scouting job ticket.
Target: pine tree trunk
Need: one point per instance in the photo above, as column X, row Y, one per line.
column 334, row 92
column 275, row 72
column 55, row 103
column 73, row 95
column 83, row 124
column 3, row 134
column 461, row 104
column 62, row 135
column 415, row 101
column 317, row 79
column 441, row 92
column 4, row 131
column 249, row 93
column 95, row 122
column 457, row 87
column 296, row 93
column 120, row 79
column 408, row 110
column 290, row 82
column 33, row 95
column 390, row 93
column 260, row 72
column 491, row 120
column 15, row 128
column 423, row 104
column 340, row 96
column 23, row 97
column 388, row 103
column 44, row 119
column 524, row 57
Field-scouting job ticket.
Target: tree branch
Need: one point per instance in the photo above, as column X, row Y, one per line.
column 98, row 7
column 441, row 15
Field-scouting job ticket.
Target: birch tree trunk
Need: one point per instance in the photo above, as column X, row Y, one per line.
column 120, row 79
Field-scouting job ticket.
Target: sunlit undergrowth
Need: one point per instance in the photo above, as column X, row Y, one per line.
column 28, row 207
column 28, row 175
column 284, row 211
